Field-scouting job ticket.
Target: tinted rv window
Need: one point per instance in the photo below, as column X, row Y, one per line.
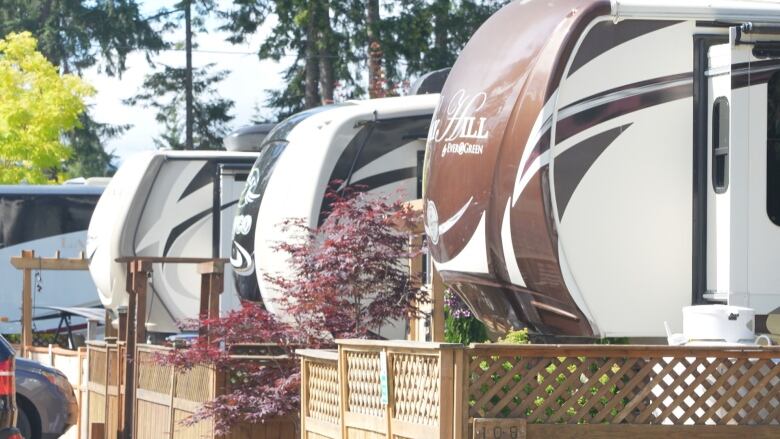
column 27, row 217
column 773, row 150
column 720, row 145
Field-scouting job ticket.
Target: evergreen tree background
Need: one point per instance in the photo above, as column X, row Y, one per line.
column 76, row 35
column 330, row 50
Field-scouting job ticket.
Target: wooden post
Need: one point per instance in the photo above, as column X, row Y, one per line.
column 212, row 283
column 122, row 333
column 437, row 311
column 171, row 408
column 135, row 332
column 109, row 331
column 28, row 262
column 446, row 392
column 139, row 286
column 304, row 396
column 460, row 412
column 27, row 335
column 416, row 273
column 343, row 387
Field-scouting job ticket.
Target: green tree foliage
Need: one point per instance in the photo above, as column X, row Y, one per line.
column 37, row 105
column 166, row 89
column 78, row 34
column 352, row 48
column 163, row 92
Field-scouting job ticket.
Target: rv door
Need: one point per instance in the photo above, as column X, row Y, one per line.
column 743, row 197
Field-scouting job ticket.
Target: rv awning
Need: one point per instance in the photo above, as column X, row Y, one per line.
column 94, row 314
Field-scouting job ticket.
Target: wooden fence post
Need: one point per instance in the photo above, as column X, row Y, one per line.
column 390, row 393
column 109, row 330
column 172, row 409
column 212, row 284
column 461, row 394
column 437, row 307
column 446, row 392
column 343, row 389
column 304, row 396
column 136, row 332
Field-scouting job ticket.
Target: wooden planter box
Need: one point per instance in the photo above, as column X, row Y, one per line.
column 377, row 389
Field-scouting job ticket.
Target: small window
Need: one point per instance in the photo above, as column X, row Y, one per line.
column 720, row 145
column 773, row 149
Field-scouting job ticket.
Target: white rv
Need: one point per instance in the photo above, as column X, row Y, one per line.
column 172, row 204
column 596, row 166
column 377, row 144
column 46, row 219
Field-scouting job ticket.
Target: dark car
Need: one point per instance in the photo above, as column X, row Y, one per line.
column 7, row 392
column 47, row 404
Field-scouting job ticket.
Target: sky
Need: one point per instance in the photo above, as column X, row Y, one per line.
column 247, row 84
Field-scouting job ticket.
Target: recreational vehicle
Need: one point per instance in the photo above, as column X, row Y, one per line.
column 375, row 144
column 46, row 219
column 166, row 204
column 593, row 167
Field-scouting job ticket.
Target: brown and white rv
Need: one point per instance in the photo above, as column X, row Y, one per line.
column 594, row 166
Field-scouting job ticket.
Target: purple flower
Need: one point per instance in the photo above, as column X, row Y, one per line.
column 456, row 306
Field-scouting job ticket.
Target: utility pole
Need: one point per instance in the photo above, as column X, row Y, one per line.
column 188, row 74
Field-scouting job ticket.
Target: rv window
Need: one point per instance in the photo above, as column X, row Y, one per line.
column 773, row 150
column 720, row 145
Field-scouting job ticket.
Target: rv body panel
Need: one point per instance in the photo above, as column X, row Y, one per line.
column 166, row 204
column 579, row 213
column 374, row 144
column 47, row 220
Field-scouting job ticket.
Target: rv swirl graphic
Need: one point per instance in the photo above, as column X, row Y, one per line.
column 250, row 194
column 462, row 132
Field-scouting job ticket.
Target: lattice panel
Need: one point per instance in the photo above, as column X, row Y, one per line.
column 626, row 390
column 323, row 392
column 194, row 384
column 416, row 388
column 152, row 375
column 97, row 366
column 363, row 391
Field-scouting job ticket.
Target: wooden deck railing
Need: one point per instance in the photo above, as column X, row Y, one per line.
column 443, row 391
column 390, row 389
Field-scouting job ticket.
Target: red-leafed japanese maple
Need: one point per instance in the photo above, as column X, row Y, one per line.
column 348, row 279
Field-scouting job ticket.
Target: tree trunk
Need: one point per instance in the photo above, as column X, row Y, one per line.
column 189, row 122
column 311, row 92
column 327, row 53
column 375, row 76
column 441, row 16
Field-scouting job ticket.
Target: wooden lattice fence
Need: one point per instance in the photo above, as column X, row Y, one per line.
column 607, row 384
column 440, row 391
column 164, row 398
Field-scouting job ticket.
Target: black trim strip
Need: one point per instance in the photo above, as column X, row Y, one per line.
column 184, row 225
column 204, row 177
column 572, row 165
column 579, row 122
column 386, row 178
column 607, row 35
column 655, row 81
